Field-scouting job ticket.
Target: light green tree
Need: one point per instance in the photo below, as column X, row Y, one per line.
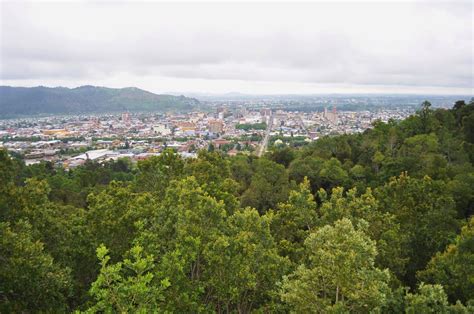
column 382, row 226
column 294, row 220
column 340, row 276
column 128, row 286
column 432, row 299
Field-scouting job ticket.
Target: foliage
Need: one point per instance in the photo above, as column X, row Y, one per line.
column 29, row 277
column 373, row 222
column 454, row 268
column 425, row 211
column 254, row 126
column 340, row 275
column 432, row 299
column 268, row 187
column 127, row 286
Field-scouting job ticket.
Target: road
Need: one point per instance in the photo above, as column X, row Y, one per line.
column 263, row 147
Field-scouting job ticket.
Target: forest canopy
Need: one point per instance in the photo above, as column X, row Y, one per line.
column 375, row 222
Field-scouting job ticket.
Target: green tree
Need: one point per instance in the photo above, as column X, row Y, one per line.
column 340, row 276
column 425, row 211
column 155, row 173
column 284, row 156
column 269, row 186
column 293, row 221
column 382, row 226
column 29, row 277
column 180, row 231
column 241, row 171
column 454, row 268
column 332, row 174
column 128, row 286
column 244, row 264
column 212, row 172
column 308, row 167
column 425, row 114
column 432, row 299
column 112, row 214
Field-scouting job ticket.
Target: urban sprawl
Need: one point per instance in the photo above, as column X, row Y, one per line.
column 70, row 141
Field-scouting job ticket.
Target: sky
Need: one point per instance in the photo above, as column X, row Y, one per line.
column 415, row 47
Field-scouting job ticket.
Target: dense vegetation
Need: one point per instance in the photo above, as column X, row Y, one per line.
column 379, row 222
column 85, row 99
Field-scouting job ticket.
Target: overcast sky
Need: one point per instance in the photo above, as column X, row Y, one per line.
column 322, row 47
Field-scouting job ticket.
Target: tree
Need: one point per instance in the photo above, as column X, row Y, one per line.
column 454, row 268
column 308, row 167
column 241, row 171
column 212, row 172
column 332, row 174
column 155, row 173
column 340, row 275
column 468, row 127
column 463, row 193
column 293, row 221
column 425, row 114
column 128, row 286
column 269, row 186
column 420, row 154
column 283, row 156
column 382, row 226
column 112, row 215
column 29, row 277
column 425, row 211
column 432, row 299
column 244, row 264
column 180, row 231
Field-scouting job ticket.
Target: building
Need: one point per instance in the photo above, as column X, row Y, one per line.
column 162, row 129
column 265, row 112
column 331, row 116
column 126, row 117
column 98, row 154
column 216, row 126
column 56, row 133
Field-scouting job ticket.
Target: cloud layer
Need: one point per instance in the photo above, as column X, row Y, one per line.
column 278, row 48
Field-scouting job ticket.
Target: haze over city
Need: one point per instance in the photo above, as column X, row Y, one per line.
column 411, row 47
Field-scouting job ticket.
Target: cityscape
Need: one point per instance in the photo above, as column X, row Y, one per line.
column 237, row 156
column 69, row 141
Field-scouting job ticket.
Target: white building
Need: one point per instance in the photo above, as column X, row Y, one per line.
column 162, row 129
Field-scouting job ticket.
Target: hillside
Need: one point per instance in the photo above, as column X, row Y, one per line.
column 85, row 99
column 378, row 222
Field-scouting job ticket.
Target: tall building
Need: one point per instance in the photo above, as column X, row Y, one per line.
column 216, row 126
column 265, row 112
column 331, row 116
column 126, row 117
column 334, row 115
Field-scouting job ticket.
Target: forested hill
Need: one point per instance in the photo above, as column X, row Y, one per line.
column 85, row 99
column 377, row 222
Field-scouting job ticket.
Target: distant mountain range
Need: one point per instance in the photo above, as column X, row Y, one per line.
column 16, row 101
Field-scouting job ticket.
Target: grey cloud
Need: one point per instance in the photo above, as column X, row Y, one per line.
column 261, row 43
